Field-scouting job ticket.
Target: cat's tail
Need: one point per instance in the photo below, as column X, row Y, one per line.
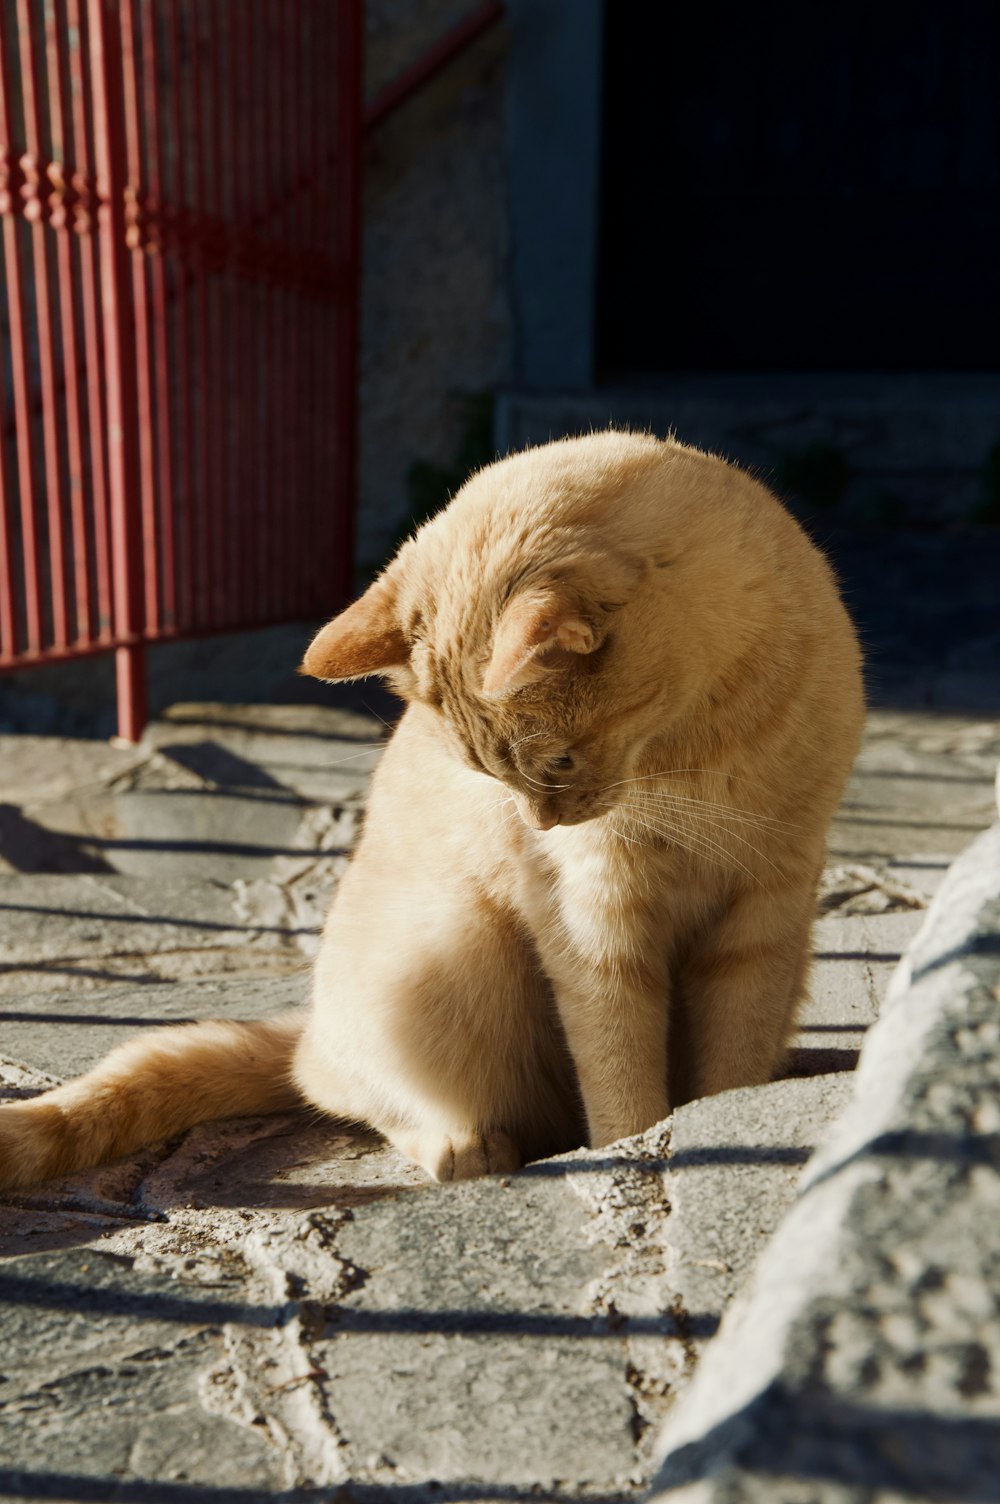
column 149, row 1089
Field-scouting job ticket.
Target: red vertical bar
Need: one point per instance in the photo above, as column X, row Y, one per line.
column 26, row 472
column 296, row 328
column 322, row 493
column 8, row 584
column 120, row 365
column 55, row 42
column 261, row 294
column 34, row 212
column 206, row 404
column 218, row 348
column 241, row 34
column 283, row 493
column 275, row 436
column 349, row 104
column 135, row 238
column 185, row 375
column 84, row 209
column 166, row 522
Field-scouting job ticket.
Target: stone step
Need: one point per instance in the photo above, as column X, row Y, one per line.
column 221, row 792
column 74, row 934
column 61, row 1034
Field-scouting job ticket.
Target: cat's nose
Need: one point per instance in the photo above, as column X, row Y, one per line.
column 536, row 814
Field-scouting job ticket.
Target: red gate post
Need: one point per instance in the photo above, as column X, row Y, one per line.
column 119, row 338
column 350, row 39
column 226, row 342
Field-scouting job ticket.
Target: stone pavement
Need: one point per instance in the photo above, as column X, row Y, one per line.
column 282, row 1308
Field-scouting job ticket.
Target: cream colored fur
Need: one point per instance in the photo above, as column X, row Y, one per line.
column 587, row 877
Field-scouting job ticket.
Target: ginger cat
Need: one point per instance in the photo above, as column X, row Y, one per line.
column 587, row 876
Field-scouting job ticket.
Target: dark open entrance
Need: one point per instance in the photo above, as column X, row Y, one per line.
column 800, row 187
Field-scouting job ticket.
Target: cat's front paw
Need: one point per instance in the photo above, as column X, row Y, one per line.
column 460, row 1156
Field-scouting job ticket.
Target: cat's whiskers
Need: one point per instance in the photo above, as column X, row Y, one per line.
column 735, row 811
column 622, row 835
column 683, row 809
column 529, row 736
column 552, row 787
column 353, row 756
column 683, row 835
column 740, row 816
column 704, row 772
column 685, row 840
column 508, row 810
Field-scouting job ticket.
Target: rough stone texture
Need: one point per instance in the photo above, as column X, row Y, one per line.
column 435, row 320
column 289, row 1293
column 89, row 930
column 68, row 1032
column 125, row 1354
column 861, row 1365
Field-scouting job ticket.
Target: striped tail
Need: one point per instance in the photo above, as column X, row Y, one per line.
column 150, row 1089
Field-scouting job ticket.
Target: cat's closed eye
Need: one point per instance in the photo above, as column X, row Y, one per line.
column 561, row 764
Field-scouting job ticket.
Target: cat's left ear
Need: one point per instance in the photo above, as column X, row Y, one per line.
column 538, row 630
column 365, row 639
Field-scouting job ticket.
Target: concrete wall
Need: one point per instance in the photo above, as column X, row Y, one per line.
column 436, row 322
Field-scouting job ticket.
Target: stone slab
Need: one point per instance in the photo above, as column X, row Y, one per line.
column 217, row 792
column 860, row 1367
column 426, row 1327
column 65, row 1033
column 104, row 1368
column 52, row 767
column 320, row 752
column 921, row 789
column 200, row 832
column 735, row 1162
column 88, row 931
column 854, row 956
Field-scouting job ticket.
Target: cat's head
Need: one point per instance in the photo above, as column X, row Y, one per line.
column 511, row 617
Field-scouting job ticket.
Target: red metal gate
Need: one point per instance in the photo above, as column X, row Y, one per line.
column 178, row 311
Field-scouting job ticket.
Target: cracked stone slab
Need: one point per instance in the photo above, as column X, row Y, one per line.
column 424, row 1326
column 85, row 932
column 67, row 1033
column 854, row 956
column 319, row 752
column 200, row 1196
column 208, row 832
column 213, row 791
column 40, row 768
column 102, row 1369
column 921, row 789
column 861, row 1364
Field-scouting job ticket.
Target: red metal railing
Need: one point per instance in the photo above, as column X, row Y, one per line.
column 179, row 186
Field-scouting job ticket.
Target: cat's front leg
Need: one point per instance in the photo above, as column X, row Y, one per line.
column 740, row 988
column 614, row 1016
column 610, row 988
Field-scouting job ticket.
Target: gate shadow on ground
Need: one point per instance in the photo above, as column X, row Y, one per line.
column 207, row 1310
column 77, row 1488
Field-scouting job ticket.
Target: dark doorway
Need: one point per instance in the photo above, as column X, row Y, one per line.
column 800, row 187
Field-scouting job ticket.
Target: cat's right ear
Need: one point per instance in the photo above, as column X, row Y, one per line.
column 365, row 639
